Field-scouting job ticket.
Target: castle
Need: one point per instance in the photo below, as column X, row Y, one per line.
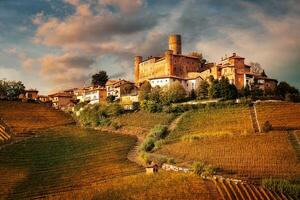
column 190, row 70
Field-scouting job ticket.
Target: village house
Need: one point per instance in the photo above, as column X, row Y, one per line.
column 95, row 95
column 30, row 94
column 61, row 100
column 118, row 88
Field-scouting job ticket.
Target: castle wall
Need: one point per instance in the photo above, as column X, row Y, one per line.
column 151, row 68
column 182, row 65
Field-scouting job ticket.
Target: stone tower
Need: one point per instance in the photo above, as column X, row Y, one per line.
column 169, row 62
column 137, row 61
column 175, row 44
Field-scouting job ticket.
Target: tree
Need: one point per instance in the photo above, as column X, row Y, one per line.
column 245, row 91
column 100, row 78
column 127, row 88
column 155, row 94
column 214, row 90
column 284, row 88
column 14, row 89
column 202, row 90
column 174, row 93
column 144, row 91
column 3, row 88
column 110, row 98
column 256, row 67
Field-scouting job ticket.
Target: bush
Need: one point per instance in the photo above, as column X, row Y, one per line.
column 267, row 127
column 114, row 109
column 198, row 168
column 148, row 144
column 277, row 185
column 151, row 106
column 135, row 106
column 159, row 132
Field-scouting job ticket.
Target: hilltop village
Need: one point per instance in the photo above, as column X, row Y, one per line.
column 172, row 66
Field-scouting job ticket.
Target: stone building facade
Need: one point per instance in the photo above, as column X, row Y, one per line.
column 187, row 69
column 171, row 64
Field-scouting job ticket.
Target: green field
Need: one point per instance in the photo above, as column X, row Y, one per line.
column 63, row 159
column 219, row 121
column 141, row 122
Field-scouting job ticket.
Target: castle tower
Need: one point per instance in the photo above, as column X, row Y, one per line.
column 169, row 62
column 175, row 43
column 137, row 61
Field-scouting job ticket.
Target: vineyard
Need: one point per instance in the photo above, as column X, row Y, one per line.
column 281, row 115
column 237, row 190
column 246, row 156
column 63, row 159
column 164, row 185
column 141, row 122
column 231, row 120
column 24, row 117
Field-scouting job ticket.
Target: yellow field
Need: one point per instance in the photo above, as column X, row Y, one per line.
column 247, row 156
column 164, row 185
column 233, row 120
column 281, row 115
column 24, row 117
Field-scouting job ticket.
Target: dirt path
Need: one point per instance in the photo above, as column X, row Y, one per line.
column 175, row 122
column 254, row 119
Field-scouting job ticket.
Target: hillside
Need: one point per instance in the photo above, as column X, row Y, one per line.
column 26, row 117
column 224, row 138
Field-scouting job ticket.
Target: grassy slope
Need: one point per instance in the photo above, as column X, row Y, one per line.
column 23, row 117
column 64, row 158
column 141, row 122
column 282, row 114
column 234, row 120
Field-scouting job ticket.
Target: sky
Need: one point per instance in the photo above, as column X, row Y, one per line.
column 57, row 44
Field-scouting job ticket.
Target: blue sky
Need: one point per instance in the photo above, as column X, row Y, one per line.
column 57, row 44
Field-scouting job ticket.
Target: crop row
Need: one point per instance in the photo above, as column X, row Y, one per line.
column 232, row 190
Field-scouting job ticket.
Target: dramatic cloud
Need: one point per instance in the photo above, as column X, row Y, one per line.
column 127, row 6
column 68, row 69
column 82, row 36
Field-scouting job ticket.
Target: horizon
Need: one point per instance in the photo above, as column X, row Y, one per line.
column 55, row 45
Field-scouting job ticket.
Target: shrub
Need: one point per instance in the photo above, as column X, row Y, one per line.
column 148, row 144
column 110, row 98
column 159, row 132
column 277, row 185
column 171, row 161
column 209, row 170
column 158, row 144
column 135, row 106
column 80, row 105
column 114, row 109
column 198, row 168
column 267, row 127
column 151, row 106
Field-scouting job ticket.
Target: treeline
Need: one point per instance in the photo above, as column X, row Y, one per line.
column 11, row 89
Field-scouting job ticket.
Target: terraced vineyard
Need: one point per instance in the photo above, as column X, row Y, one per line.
column 236, row 190
column 63, row 159
column 4, row 136
column 248, row 157
column 281, row 115
column 232, row 120
column 24, row 117
column 164, row 185
column 141, row 122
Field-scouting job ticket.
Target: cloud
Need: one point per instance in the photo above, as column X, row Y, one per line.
column 66, row 70
column 127, row 6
